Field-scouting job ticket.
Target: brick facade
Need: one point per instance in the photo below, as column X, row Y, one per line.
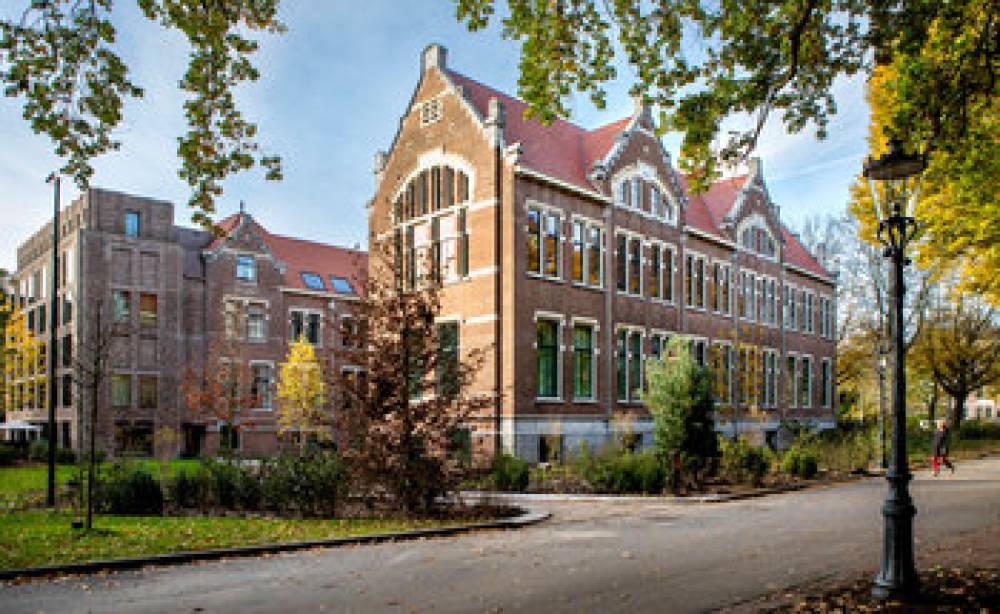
column 536, row 191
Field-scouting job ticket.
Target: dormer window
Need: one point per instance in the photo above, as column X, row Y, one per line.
column 313, row 281
column 246, row 268
column 341, row 285
column 755, row 237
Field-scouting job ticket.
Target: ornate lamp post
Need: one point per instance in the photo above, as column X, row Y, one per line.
column 897, row 575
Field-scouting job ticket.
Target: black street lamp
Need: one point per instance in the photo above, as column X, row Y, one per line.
column 898, row 575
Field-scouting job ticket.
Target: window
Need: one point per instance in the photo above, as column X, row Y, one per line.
column 147, row 392
column 587, row 248
column 791, row 377
column 762, row 299
column 534, row 240
column 121, row 390
column 656, row 271
column 297, row 326
column 636, row 193
column 313, row 281
column 722, row 362
column 621, row 356
column 751, row 284
column 42, row 319
column 246, row 268
column 547, row 342
column 772, row 305
column 700, row 282
column 550, row 448
column 67, row 390
column 668, row 275
column 825, row 383
column 810, row 323
column 635, row 266
column 340, row 285
column 805, row 383
column 313, row 328
column 256, row 323
column 260, row 385
column 550, row 251
column 430, row 112
column 629, row 354
column 131, row 223
column 447, row 362
column 67, row 350
column 67, row 309
column 305, row 324
column 716, row 287
column 583, row 361
column 621, row 262
column 147, row 309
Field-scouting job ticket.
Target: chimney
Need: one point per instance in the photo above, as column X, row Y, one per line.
column 434, row 55
column 496, row 119
column 756, row 167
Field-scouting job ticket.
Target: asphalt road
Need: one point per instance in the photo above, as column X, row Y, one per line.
column 590, row 557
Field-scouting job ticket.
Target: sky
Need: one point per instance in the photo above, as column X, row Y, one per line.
column 331, row 93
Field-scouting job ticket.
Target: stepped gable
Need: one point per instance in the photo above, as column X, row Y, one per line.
column 561, row 150
column 303, row 256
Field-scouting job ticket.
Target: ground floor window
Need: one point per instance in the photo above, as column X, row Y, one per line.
column 805, row 382
column 583, row 361
column 550, row 448
column 791, row 376
column 547, row 344
column 134, row 439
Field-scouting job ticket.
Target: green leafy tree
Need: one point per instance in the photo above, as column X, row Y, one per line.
column 702, row 62
column 681, row 401
column 59, row 57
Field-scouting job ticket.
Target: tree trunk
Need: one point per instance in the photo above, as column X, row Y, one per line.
column 958, row 413
column 932, row 405
column 91, row 470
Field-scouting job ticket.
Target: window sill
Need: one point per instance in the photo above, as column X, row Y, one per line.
column 539, row 276
column 549, row 400
column 584, row 286
column 586, row 401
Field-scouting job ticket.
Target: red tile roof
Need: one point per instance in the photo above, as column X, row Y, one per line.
column 561, row 150
column 302, row 256
column 566, row 152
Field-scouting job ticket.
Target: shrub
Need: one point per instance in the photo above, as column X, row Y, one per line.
column 801, row 461
column 618, row 471
column 979, row 429
column 191, row 488
column 38, row 450
column 742, row 462
column 510, row 473
column 8, row 455
column 65, row 456
column 131, row 490
column 310, row 484
column 224, row 483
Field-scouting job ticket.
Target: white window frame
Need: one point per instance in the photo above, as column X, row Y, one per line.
column 595, row 329
column 545, row 211
column 560, row 322
column 271, row 379
column 631, row 236
column 587, row 224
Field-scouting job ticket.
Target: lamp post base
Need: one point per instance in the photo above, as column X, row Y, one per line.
column 897, row 577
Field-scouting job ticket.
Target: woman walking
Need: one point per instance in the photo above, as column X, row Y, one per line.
column 939, row 448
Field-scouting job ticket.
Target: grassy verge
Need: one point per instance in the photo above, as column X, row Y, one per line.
column 26, row 484
column 36, row 538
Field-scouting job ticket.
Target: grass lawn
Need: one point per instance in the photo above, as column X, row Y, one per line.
column 27, row 483
column 35, row 538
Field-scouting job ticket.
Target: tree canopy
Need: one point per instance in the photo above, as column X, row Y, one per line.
column 60, row 58
column 702, row 62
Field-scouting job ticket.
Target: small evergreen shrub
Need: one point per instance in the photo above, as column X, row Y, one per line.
column 8, row 455
column 191, row 488
column 979, row 429
column 38, row 450
column 129, row 489
column 741, row 462
column 510, row 474
column 309, row 485
column 65, row 456
column 801, row 461
column 615, row 471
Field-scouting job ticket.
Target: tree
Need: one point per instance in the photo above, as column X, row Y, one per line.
column 703, row 62
column 962, row 347
column 681, row 401
column 60, row 58
column 100, row 337
column 405, row 409
column 23, row 360
column 302, row 393
column 221, row 389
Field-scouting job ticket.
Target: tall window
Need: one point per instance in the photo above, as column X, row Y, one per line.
column 121, row 390
column 668, row 274
column 621, row 262
column 635, row 266
column 576, row 271
column 447, row 362
column 543, row 242
column 131, row 223
column 636, row 193
column 762, row 299
column 256, row 323
column 147, row 392
column 313, row 328
column 583, row 361
column 634, row 365
column 305, row 324
column 772, row 306
column 260, row 385
column 716, row 287
column 656, row 271
column 551, row 245
column 699, row 288
column 547, row 341
column 123, row 305
column 595, row 263
column 246, row 268
column 791, row 381
column 148, row 312
column 689, row 280
column 534, row 240
column 805, row 383
column 825, row 383
column 621, row 363
column 751, row 282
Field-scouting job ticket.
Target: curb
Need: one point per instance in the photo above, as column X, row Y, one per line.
column 179, row 558
column 720, row 498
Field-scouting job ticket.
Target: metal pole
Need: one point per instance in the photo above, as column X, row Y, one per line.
column 897, row 575
column 53, row 323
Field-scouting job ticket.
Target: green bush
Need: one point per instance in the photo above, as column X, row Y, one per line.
column 801, row 462
column 130, row 489
column 616, row 471
column 742, row 462
column 309, row 485
column 65, row 456
column 979, row 429
column 509, row 473
column 38, row 450
column 191, row 488
column 224, row 482
column 8, row 455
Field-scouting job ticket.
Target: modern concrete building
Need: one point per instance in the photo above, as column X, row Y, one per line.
column 574, row 254
column 172, row 295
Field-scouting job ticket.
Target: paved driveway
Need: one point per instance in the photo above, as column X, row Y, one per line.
column 591, row 557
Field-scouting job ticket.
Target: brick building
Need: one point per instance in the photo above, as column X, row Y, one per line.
column 574, row 254
column 174, row 294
